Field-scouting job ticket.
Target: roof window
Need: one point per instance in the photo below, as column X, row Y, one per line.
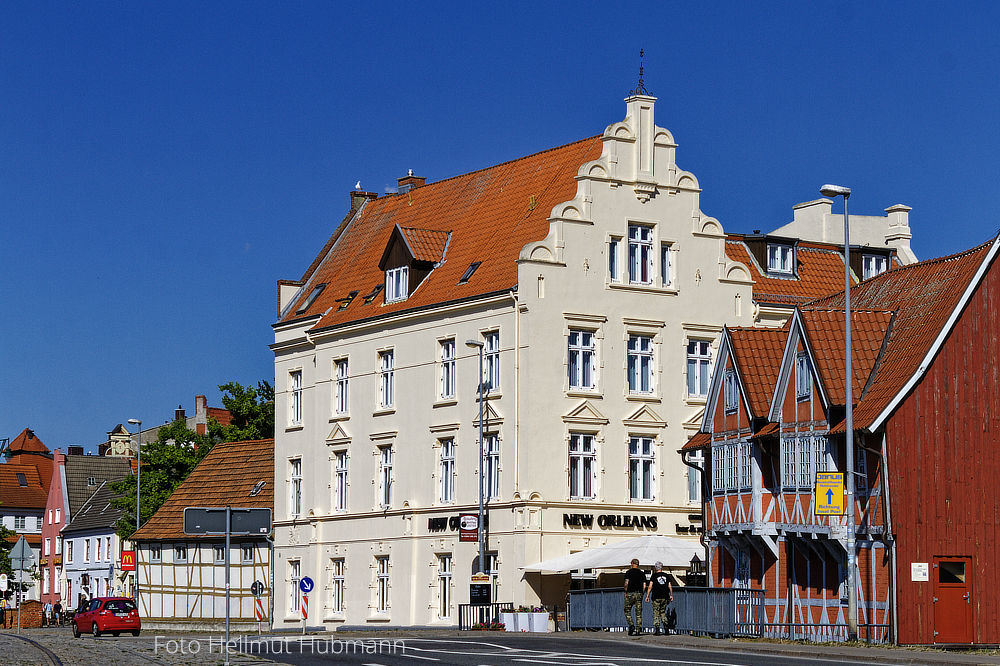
column 259, row 486
column 91, row 481
column 375, row 292
column 312, row 297
column 22, row 480
column 397, row 283
column 780, row 258
column 469, row 271
column 874, row 264
column 344, row 302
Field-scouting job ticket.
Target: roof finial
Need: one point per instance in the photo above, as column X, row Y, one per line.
column 641, row 88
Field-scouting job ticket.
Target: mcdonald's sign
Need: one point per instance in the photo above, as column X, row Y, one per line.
column 128, row 560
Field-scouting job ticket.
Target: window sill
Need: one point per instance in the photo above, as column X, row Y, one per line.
column 384, row 617
column 583, row 393
column 643, row 397
column 340, row 417
column 696, row 400
column 383, row 411
column 492, row 395
column 293, row 428
column 445, row 402
column 644, row 288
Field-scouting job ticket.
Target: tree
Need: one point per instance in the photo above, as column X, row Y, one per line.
column 178, row 450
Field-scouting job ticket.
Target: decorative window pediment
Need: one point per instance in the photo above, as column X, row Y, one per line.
column 585, row 414
column 338, row 435
column 645, row 417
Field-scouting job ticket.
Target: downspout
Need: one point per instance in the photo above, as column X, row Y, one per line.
column 887, row 518
column 704, row 516
column 270, row 584
column 517, row 385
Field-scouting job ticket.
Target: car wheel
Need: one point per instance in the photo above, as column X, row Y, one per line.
column 76, row 630
column 95, row 629
column 135, row 633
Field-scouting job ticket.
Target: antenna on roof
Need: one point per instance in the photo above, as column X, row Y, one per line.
column 641, row 88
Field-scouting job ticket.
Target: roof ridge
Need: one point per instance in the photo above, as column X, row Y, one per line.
column 936, row 260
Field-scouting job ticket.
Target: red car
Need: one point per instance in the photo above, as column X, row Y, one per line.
column 108, row 615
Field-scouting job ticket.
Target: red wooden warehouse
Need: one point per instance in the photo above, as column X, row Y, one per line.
column 926, row 387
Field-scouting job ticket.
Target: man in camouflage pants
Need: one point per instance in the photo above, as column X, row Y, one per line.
column 635, row 583
column 662, row 592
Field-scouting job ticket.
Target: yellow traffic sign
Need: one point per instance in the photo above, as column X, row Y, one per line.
column 829, row 496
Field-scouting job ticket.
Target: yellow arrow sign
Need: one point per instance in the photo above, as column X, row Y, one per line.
column 828, row 499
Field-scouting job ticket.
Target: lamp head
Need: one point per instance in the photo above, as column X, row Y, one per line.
column 835, row 191
column 474, row 343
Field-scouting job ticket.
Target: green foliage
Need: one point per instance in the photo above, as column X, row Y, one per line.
column 252, row 411
column 178, row 449
column 7, row 542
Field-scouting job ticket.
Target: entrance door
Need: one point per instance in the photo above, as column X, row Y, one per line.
column 953, row 600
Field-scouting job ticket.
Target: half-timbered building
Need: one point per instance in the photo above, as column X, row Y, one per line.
column 925, row 392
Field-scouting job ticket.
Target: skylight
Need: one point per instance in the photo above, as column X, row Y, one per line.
column 22, row 480
column 317, row 290
column 469, row 271
column 375, row 292
column 344, row 302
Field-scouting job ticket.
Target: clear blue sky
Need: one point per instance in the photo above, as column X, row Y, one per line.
column 163, row 164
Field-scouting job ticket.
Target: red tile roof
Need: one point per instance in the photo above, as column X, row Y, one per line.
column 701, row 440
column 15, row 496
column 491, row 214
column 426, row 245
column 758, row 353
column 922, row 296
column 225, row 476
column 27, row 442
column 825, row 331
column 820, row 271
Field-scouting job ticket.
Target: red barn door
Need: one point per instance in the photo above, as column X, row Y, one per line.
column 952, row 600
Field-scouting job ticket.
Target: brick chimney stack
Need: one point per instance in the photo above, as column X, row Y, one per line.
column 409, row 182
column 358, row 197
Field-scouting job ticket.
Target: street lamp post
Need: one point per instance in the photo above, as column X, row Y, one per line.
column 482, row 480
column 138, row 470
column 852, row 593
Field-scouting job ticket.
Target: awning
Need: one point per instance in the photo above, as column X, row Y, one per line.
column 673, row 552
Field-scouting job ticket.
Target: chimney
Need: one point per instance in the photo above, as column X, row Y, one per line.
column 74, row 450
column 179, row 413
column 358, row 197
column 898, row 234
column 409, row 182
column 200, row 409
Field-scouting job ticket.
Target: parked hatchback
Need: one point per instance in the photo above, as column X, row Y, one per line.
column 107, row 615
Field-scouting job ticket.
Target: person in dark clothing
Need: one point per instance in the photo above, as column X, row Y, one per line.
column 662, row 593
column 635, row 583
column 57, row 613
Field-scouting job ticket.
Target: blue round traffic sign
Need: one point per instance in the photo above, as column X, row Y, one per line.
column 306, row 585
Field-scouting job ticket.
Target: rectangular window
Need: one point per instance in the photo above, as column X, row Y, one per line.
column 805, row 463
column 86, row 550
column 640, row 364
column 803, row 377
column 59, row 545
column 107, row 548
column 382, row 584
column 58, row 515
column 294, row 576
column 180, row 553
column 789, row 467
column 861, row 471
column 732, row 393
column 666, row 273
column 448, row 470
column 819, row 457
column 640, row 254
column 779, row 258
column 385, row 477
column 340, row 481
column 492, row 465
column 69, row 551
column 493, row 571
column 581, row 359
column 386, row 364
column 295, row 406
column 582, row 466
column 47, row 547
column 219, row 554
column 397, row 284
column 732, row 462
column 444, row 586
column 295, row 487
column 699, row 364
column 640, row 468
column 50, row 516
column 746, row 465
column 337, row 585
column 45, row 580
column 448, row 368
column 613, row 271
column 19, row 522
column 491, row 360
column 154, row 552
column 694, row 476
column 874, row 264
column 342, row 399
column 246, row 553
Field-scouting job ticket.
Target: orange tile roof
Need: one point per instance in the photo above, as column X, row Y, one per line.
column 922, row 296
column 426, row 245
column 27, row 442
column 225, row 476
column 758, row 353
column 825, row 331
column 701, row 440
column 15, row 496
column 820, row 271
column 491, row 214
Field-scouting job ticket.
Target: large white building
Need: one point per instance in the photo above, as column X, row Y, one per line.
column 597, row 288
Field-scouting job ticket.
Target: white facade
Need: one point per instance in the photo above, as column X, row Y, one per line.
column 91, row 566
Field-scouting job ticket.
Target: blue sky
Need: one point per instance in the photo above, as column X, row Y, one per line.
column 163, row 164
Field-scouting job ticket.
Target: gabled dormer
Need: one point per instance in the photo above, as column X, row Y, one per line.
column 409, row 257
column 798, row 380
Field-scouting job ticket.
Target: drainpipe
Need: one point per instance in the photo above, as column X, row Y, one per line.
column 704, row 514
column 517, row 384
column 887, row 509
column 270, row 584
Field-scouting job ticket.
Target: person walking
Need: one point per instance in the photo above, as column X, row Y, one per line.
column 635, row 583
column 47, row 614
column 57, row 613
column 662, row 593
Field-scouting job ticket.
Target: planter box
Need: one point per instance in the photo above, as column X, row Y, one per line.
column 529, row 622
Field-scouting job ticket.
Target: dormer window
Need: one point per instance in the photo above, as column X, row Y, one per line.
column 780, row 259
column 397, row 282
column 874, row 264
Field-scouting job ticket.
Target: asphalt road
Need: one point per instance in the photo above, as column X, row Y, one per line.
column 507, row 649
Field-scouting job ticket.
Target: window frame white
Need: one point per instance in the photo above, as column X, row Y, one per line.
column 180, row 553
column 614, row 261
column 694, row 477
column 666, row 265
column 641, row 468
column 342, row 387
column 640, row 254
column 295, row 397
column 731, row 391
column 383, row 573
column 387, row 378
column 446, row 353
column 803, row 376
column 340, row 478
column 873, row 264
column 640, row 364
column 218, row 553
column 491, row 360
column 444, row 581
column 446, row 469
column 582, row 359
column 294, row 576
column 780, row 258
column 295, row 487
column 385, row 476
column 247, row 553
column 699, row 367
column 155, row 552
column 582, row 466
column 491, row 465
column 397, row 284
column 338, row 584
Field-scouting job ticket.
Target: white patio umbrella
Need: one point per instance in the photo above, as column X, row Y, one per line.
column 673, row 552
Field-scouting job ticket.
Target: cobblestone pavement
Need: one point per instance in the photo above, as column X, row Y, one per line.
column 152, row 647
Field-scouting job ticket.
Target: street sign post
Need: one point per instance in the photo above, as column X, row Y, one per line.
column 479, row 589
column 3, row 582
column 828, row 499
column 257, row 589
column 305, row 586
column 22, row 559
column 227, row 520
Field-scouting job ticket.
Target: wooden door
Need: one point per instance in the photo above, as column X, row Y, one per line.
column 953, row 600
